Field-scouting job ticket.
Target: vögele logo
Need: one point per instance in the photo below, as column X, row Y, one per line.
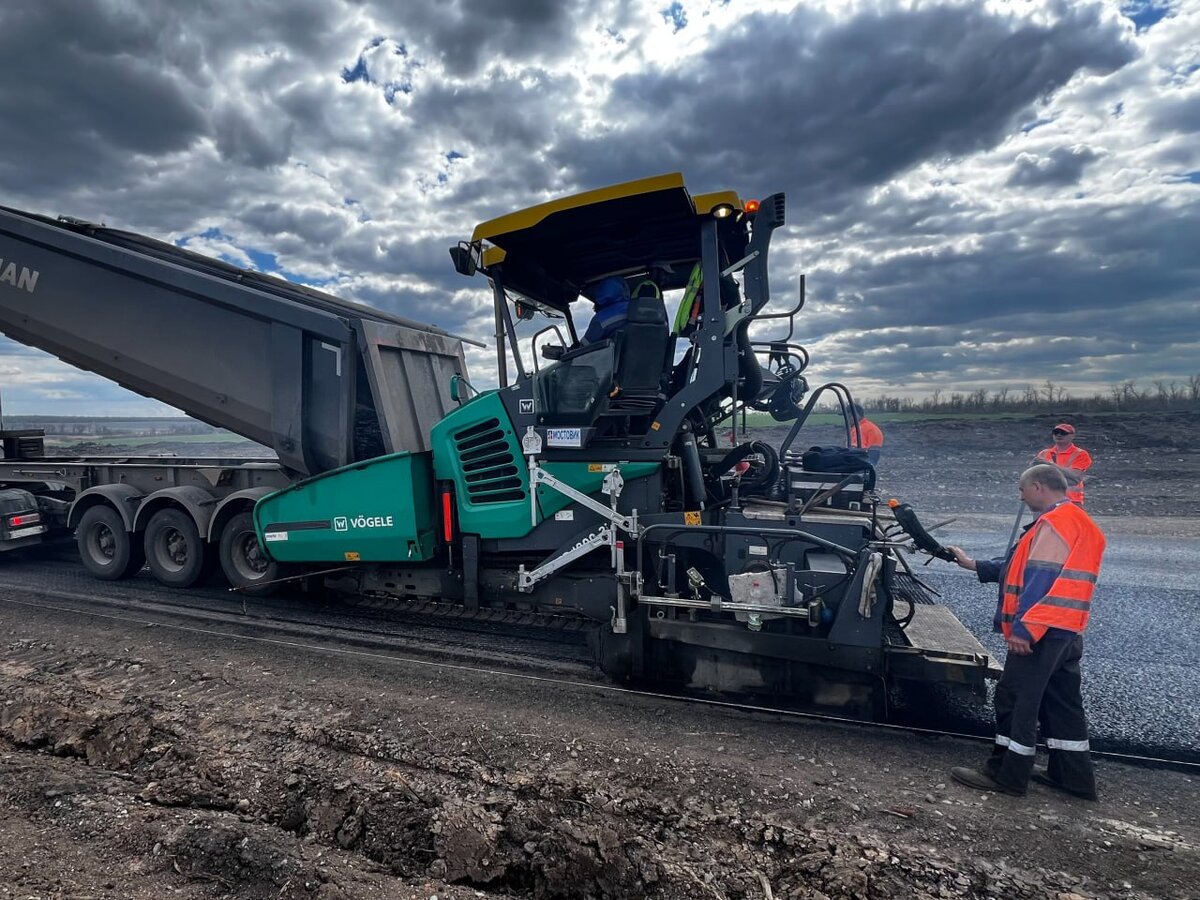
column 340, row 524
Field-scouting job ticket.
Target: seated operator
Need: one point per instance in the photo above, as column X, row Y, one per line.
column 611, row 300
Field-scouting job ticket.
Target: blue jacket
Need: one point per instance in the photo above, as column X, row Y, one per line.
column 612, row 310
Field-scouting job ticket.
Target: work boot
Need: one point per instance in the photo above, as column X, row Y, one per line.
column 1041, row 776
column 973, row 778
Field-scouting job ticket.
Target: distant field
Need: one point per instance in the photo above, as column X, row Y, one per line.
column 111, row 440
column 762, row 420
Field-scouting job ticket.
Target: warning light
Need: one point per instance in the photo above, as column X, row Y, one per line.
column 751, row 206
column 893, row 503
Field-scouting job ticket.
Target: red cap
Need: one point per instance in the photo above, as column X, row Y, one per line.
column 1069, row 429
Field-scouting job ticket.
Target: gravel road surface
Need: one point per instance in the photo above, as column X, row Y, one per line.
column 1141, row 659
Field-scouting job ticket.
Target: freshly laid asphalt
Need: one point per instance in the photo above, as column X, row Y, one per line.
column 1141, row 665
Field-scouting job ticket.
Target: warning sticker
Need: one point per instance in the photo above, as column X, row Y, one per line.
column 691, row 518
column 271, row 536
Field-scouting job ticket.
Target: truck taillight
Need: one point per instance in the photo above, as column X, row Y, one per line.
column 24, row 519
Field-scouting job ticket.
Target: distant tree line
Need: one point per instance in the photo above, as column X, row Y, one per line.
column 1124, row 396
column 111, row 427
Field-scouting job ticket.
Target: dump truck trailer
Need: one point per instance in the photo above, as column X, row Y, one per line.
column 600, row 483
column 323, row 382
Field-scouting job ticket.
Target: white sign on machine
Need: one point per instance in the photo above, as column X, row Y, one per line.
column 564, row 437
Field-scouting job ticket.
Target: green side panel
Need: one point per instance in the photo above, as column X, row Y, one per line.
column 587, row 478
column 477, row 448
column 382, row 510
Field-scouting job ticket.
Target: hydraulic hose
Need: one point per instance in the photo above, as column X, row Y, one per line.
column 693, row 475
column 748, row 367
column 770, row 473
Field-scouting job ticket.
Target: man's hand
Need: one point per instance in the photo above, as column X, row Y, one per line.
column 962, row 559
column 1019, row 646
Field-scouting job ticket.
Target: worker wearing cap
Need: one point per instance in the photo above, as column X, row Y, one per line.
column 866, row 434
column 1046, row 582
column 611, row 301
column 1074, row 461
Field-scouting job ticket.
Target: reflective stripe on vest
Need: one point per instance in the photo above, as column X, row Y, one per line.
column 1068, row 602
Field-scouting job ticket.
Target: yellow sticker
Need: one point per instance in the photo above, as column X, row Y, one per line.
column 691, row 518
column 352, row 556
column 595, row 467
column 655, row 426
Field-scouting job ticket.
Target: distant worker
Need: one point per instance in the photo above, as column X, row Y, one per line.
column 611, row 302
column 1074, row 461
column 1046, row 582
column 867, row 435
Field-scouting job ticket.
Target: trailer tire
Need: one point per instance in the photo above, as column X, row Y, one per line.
column 242, row 560
column 106, row 549
column 174, row 549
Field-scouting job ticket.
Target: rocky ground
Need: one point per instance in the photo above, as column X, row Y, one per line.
column 148, row 762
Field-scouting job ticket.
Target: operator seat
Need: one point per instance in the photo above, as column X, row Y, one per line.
column 644, row 349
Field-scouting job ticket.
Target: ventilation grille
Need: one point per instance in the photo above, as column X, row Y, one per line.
column 488, row 465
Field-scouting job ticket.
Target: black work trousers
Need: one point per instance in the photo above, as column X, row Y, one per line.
column 1043, row 687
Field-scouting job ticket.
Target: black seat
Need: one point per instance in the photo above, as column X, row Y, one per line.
column 643, row 351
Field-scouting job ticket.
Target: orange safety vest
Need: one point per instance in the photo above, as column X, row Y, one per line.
column 1068, row 602
column 866, row 435
column 1074, row 458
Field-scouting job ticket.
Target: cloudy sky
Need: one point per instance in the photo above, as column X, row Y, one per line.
column 982, row 193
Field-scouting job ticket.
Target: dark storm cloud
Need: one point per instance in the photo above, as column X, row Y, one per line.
column 1012, row 307
column 241, row 139
column 105, row 86
column 310, row 224
column 1061, row 167
column 465, row 35
column 92, row 91
column 826, row 107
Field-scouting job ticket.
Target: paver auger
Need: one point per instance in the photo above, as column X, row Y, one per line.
column 598, row 483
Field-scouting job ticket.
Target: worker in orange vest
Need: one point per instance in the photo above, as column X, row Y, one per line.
column 1046, row 583
column 1074, row 461
column 867, row 435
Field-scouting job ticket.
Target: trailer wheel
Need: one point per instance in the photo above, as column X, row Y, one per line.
column 174, row 548
column 243, row 561
column 106, row 549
